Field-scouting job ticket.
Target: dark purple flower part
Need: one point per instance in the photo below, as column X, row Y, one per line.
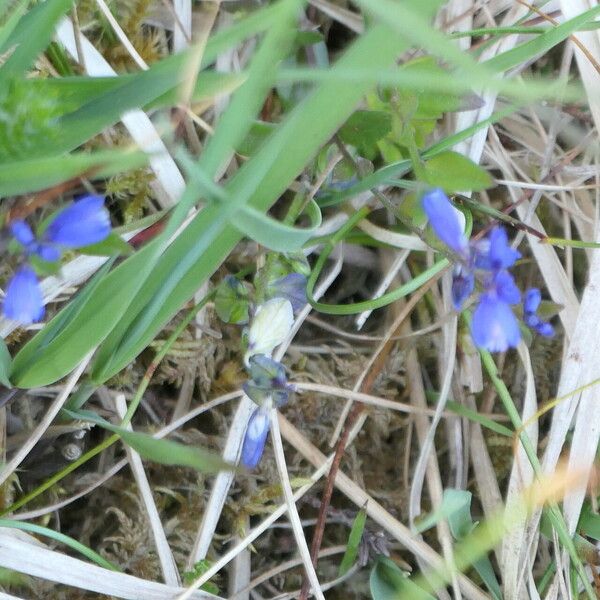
column 23, row 301
column 292, row 287
column 531, row 303
column 444, row 220
column 463, row 284
column 255, row 437
column 268, row 381
column 494, row 326
column 82, row 223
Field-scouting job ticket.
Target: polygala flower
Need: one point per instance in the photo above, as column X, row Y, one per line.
column 531, row 303
column 24, row 301
column 494, row 326
column 82, row 223
column 255, row 438
column 79, row 224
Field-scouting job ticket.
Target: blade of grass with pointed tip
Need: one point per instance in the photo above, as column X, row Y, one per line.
column 164, row 452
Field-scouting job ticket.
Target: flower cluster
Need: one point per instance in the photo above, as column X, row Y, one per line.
column 270, row 325
column 80, row 224
column 494, row 326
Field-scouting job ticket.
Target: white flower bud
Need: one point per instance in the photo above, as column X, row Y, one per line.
column 271, row 324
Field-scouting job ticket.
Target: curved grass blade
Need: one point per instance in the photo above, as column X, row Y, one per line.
column 62, row 538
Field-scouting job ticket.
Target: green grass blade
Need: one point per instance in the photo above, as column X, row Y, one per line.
column 32, row 175
column 543, row 43
column 31, row 36
column 164, row 452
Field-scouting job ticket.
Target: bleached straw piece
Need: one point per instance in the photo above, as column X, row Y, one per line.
column 37, row 561
column 521, row 534
column 136, row 121
column 292, row 510
column 165, row 556
column 182, row 32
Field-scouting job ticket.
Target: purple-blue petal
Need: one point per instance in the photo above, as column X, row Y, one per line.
column 463, row 284
column 444, row 220
column 255, row 438
column 292, row 287
column 22, row 233
column 47, row 252
column 506, row 288
column 494, row 326
column 501, row 255
column 80, row 224
column 545, row 329
column 532, row 300
column 23, row 301
column 532, row 320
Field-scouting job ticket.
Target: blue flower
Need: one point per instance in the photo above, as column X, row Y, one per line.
column 255, row 437
column 531, row 303
column 292, row 287
column 23, row 301
column 80, row 224
column 494, row 326
column 444, row 221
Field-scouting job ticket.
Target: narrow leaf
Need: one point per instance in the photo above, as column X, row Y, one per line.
column 358, row 526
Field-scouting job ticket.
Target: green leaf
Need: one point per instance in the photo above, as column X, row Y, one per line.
column 454, row 173
column 388, row 582
column 458, row 508
column 197, row 571
column 589, row 523
column 77, row 333
column 231, row 301
column 358, row 526
column 366, row 127
column 273, row 234
column 454, row 504
column 113, row 245
column 32, row 175
column 165, row 452
column 5, row 364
